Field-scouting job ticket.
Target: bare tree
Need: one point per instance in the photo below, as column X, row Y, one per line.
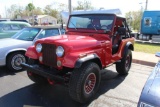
column 83, row 5
column 14, row 11
column 134, row 19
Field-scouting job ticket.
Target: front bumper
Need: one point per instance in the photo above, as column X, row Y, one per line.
column 43, row 72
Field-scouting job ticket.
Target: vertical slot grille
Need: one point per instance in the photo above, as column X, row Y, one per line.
column 49, row 55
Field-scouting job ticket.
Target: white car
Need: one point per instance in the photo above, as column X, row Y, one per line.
column 12, row 50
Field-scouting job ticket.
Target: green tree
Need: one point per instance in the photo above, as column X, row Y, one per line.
column 49, row 11
column 30, row 7
column 83, row 5
column 134, row 19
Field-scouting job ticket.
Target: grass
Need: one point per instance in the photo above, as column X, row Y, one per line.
column 147, row 47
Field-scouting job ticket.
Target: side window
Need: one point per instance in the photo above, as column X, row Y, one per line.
column 15, row 27
column 22, row 26
column 41, row 35
column 6, row 27
column 147, row 21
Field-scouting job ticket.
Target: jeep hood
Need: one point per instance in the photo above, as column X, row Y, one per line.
column 76, row 42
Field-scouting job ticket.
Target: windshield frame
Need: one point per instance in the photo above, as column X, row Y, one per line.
column 87, row 29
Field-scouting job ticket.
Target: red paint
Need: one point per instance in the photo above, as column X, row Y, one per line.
column 51, row 82
column 77, row 43
column 31, row 53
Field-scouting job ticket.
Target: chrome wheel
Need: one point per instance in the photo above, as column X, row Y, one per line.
column 17, row 60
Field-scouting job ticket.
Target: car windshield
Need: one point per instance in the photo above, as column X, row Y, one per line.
column 91, row 22
column 27, row 34
column 48, row 32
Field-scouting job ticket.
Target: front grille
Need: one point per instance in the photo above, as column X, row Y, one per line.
column 49, row 55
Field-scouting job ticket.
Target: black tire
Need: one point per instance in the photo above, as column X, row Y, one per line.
column 80, row 81
column 14, row 61
column 124, row 66
column 35, row 77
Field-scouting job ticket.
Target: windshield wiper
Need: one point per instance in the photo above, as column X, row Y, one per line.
column 74, row 25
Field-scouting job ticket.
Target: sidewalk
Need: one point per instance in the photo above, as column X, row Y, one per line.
column 144, row 58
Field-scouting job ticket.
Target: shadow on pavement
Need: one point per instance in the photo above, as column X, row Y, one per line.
column 56, row 95
column 4, row 72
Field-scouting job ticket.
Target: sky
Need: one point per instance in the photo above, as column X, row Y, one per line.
column 123, row 5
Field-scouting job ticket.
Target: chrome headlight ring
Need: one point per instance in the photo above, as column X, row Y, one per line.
column 38, row 47
column 60, row 51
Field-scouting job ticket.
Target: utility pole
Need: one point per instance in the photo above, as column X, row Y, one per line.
column 70, row 6
column 146, row 4
column 32, row 15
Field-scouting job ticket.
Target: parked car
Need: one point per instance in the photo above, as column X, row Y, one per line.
column 12, row 49
column 19, row 20
column 9, row 28
column 150, row 95
column 92, row 42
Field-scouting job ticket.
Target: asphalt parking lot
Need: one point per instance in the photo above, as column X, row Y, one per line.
column 17, row 90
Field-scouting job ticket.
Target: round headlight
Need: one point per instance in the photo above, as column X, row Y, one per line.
column 38, row 47
column 59, row 51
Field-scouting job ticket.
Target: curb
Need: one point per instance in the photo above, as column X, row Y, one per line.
column 152, row 64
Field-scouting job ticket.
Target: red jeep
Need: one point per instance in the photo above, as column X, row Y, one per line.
column 91, row 43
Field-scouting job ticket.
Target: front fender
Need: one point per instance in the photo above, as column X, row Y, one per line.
column 129, row 45
column 32, row 53
column 90, row 57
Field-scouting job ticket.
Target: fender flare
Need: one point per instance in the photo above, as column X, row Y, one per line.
column 91, row 57
column 129, row 45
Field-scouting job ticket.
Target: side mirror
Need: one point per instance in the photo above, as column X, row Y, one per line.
column 121, row 31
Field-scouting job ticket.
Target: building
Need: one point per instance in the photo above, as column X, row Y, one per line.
column 45, row 20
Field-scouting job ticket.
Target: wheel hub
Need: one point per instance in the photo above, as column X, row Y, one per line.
column 17, row 60
column 90, row 83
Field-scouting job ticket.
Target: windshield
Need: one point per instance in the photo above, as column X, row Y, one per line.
column 91, row 22
column 49, row 32
column 27, row 34
column 1, row 25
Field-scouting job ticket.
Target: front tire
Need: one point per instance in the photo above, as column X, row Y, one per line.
column 14, row 61
column 84, row 82
column 123, row 67
column 35, row 77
